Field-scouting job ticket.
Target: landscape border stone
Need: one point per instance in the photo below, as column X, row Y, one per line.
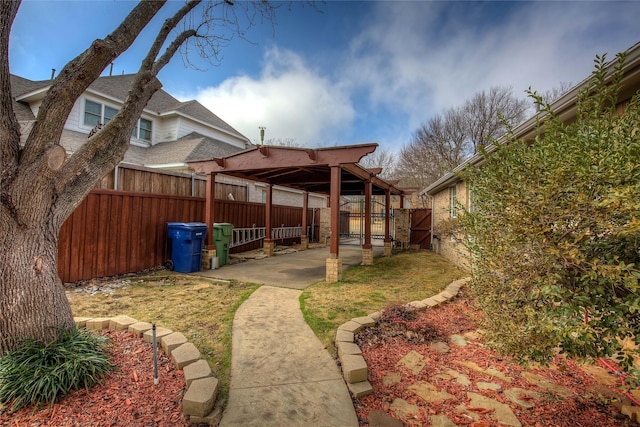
column 353, row 371
column 349, row 354
column 198, row 402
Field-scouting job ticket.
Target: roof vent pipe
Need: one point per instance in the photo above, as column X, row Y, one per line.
column 111, row 70
column 53, row 73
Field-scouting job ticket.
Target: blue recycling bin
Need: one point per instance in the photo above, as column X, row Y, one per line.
column 187, row 241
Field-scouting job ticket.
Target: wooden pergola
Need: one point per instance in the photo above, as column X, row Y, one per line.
column 333, row 171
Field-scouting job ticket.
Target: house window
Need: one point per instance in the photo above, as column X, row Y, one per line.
column 92, row 113
column 143, row 129
column 108, row 114
column 95, row 113
column 452, row 201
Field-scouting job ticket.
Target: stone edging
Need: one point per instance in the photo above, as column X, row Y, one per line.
column 354, row 367
column 202, row 387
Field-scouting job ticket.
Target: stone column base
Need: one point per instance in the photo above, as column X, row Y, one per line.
column 367, row 256
column 207, row 255
column 304, row 243
column 269, row 246
column 333, row 270
column 387, row 249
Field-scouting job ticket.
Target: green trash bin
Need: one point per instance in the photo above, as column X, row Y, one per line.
column 222, row 232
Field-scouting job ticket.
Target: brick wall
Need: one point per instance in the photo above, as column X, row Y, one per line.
column 449, row 246
column 402, row 227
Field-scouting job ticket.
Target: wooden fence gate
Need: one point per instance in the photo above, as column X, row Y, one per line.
column 420, row 228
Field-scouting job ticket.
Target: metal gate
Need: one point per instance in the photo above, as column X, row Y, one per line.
column 420, row 228
column 352, row 212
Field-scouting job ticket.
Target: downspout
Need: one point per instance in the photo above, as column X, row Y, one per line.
column 193, row 184
column 433, row 221
column 115, row 178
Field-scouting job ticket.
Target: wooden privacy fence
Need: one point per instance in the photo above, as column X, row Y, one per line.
column 420, row 226
column 117, row 232
column 147, row 180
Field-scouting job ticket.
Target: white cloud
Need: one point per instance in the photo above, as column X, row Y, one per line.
column 288, row 98
column 423, row 57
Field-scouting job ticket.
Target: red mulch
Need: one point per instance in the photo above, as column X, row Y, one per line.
column 127, row 397
column 382, row 348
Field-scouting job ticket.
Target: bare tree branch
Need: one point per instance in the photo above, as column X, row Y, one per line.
column 169, row 25
column 488, row 114
column 106, row 148
column 78, row 74
column 381, row 158
column 448, row 139
column 9, row 127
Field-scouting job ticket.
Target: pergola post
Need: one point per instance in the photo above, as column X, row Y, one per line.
column 304, row 237
column 269, row 244
column 210, row 204
column 367, row 248
column 208, row 252
column 387, row 231
column 334, row 263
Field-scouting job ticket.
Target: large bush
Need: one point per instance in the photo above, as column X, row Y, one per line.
column 554, row 231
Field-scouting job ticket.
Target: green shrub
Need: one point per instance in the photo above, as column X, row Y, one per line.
column 37, row 373
column 555, row 231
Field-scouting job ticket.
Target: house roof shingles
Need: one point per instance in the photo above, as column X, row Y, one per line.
column 161, row 102
column 191, row 147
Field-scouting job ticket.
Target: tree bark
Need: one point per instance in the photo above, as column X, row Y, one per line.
column 40, row 187
column 32, row 299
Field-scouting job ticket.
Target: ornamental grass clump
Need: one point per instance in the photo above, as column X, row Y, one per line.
column 38, row 373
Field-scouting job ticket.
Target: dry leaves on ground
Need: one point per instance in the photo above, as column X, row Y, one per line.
column 128, row 397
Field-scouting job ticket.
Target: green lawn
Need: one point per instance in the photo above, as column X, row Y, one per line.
column 199, row 308
column 399, row 279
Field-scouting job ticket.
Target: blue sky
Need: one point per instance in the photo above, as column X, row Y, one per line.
column 353, row 72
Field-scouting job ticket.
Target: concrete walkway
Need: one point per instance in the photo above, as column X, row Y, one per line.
column 281, row 375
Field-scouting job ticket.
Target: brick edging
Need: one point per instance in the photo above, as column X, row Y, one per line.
column 354, row 367
column 201, row 386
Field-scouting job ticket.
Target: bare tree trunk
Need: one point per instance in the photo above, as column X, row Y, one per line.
column 40, row 187
column 32, row 300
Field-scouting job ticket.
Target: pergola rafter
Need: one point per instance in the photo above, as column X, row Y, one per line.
column 333, row 171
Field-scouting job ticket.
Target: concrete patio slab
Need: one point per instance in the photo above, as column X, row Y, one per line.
column 296, row 270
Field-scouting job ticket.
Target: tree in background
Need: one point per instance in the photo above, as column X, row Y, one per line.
column 448, row 139
column 283, row 142
column 381, row 158
column 555, row 227
column 40, row 186
column 553, row 94
column 488, row 115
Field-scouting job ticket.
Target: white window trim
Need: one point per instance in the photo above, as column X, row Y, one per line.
column 103, row 106
column 137, row 131
column 138, row 141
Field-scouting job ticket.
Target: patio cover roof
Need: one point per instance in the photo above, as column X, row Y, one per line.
column 302, row 168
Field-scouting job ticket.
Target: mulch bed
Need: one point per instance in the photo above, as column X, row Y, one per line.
column 590, row 404
column 127, row 397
